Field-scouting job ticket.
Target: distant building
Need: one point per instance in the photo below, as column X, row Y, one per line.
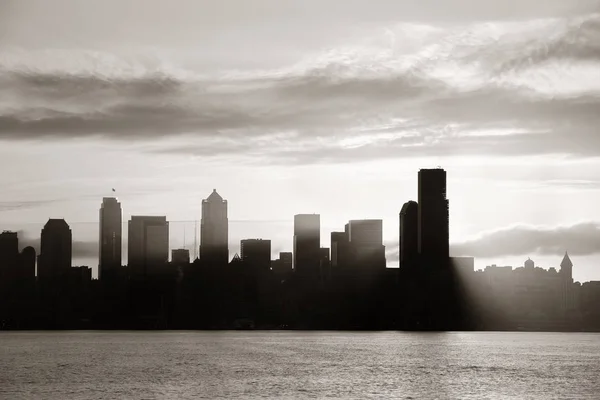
column 287, row 261
column 148, row 245
column 307, row 244
column 433, row 217
column 365, row 244
column 80, row 275
column 180, row 256
column 408, row 247
column 256, row 254
column 339, row 244
column 110, row 237
column 214, row 246
column 56, row 252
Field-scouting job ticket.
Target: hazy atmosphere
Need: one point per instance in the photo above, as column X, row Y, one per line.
column 290, row 107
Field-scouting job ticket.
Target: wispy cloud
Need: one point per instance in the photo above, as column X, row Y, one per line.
column 528, row 85
column 579, row 239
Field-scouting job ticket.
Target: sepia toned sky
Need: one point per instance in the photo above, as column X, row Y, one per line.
column 286, row 107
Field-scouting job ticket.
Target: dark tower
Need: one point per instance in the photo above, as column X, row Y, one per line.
column 55, row 249
column 110, row 237
column 214, row 237
column 307, row 244
column 9, row 256
column 147, row 245
column 433, row 217
column 256, row 254
column 408, row 247
column 27, row 266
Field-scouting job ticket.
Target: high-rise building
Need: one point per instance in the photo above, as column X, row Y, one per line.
column 147, row 245
column 365, row 244
column 180, row 256
column 110, row 237
column 307, row 244
column 9, row 256
column 256, row 254
column 27, row 263
column 433, row 217
column 214, row 247
column 56, row 251
column 287, row 260
column 408, row 247
column 339, row 242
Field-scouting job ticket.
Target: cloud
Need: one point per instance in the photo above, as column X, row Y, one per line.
column 533, row 79
column 81, row 249
column 579, row 239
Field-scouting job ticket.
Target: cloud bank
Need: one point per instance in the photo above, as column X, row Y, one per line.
column 521, row 87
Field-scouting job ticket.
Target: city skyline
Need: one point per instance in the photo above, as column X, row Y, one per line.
column 214, row 207
column 504, row 96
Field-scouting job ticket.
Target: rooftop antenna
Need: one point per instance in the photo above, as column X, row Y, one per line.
column 184, row 236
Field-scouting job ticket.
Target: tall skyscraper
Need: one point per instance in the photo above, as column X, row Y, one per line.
column 307, row 244
column 9, row 256
column 147, row 244
column 56, row 251
column 110, row 237
column 256, row 254
column 365, row 244
column 408, row 247
column 433, row 217
column 214, row 247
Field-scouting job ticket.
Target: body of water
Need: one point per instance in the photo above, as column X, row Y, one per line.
column 295, row 365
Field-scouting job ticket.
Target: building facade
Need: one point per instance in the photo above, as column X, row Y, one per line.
column 214, row 236
column 110, row 241
column 56, row 252
column 147, row 245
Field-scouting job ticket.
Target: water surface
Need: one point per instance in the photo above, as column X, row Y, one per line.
column 248, row 365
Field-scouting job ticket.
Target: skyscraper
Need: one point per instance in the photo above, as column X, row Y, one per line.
column 9, row 256
column 408, row 247
column 256, row 254
column 110, row 237
column 365, row 244
column 147, row 244
column 339, row 242
column 27, row 264
column 433, row 217
column 56, row 250
column 307, row 244
column 214, row 248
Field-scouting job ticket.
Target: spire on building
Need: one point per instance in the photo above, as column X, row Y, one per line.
column 566, row 262
column 214, row 196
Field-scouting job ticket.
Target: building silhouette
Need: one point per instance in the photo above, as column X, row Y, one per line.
column 256, row 254
column 433, row 217
column 307, row 244
column 339, row 241
column 214, row 246
column 180, row 256
column 147, row 245
column 110, row 237
column 55, row 249
column 365, row 244
column 27, row 266
column 408, row 246
column 9, row 256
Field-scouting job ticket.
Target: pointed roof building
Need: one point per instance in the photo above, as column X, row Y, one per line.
column 566, row 262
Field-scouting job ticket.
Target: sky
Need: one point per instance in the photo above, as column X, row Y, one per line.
column 287, row 107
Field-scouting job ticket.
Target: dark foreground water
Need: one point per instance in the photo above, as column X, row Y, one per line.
column 246, row 365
